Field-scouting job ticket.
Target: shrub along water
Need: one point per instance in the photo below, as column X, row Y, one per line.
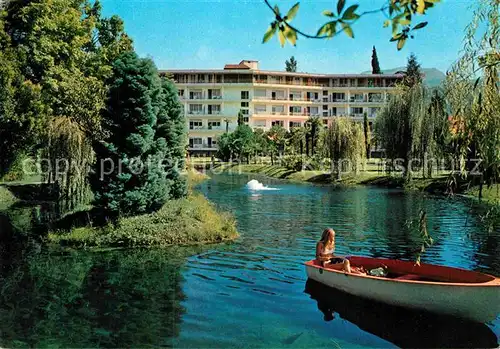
column 186, row 221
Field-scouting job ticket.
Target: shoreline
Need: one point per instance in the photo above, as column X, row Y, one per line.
column 190, row 221
column 437, row 185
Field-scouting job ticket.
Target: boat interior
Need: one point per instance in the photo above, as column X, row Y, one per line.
column 410, row 271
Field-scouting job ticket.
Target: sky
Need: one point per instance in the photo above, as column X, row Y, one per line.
column 206, row 34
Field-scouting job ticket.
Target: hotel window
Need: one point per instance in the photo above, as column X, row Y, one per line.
column 343, row 82
column 213, row 124
column 259, row 123
column 314, row 111
column 195, row 95
column 357, row 97
column 357, row 110
column 195, row 142
column 325, row 93
column 180, row 93
column 245, row 118
column 338, row 97
column 195, row 125
column 244, row 104
column 295, row 95
column 277, row 123
column 214, row 109
column 325, row 107
column 259, row 109
column 295, row 124
column 278, row 109
column 195, row 108
column 296, row 110
column 244, row 111
column 245, row 95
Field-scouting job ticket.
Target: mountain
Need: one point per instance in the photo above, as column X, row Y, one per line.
column 433, row 77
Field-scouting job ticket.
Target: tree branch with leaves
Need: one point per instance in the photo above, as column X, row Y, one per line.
column 400, row 16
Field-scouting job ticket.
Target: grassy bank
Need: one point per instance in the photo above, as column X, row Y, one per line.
column 279, row 172
column 189, row 221
column 491, row 195
column 368, row 176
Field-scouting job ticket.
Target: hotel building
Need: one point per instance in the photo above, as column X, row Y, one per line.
column 213, row 98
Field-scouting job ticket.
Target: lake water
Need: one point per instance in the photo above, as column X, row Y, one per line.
column 253, row 292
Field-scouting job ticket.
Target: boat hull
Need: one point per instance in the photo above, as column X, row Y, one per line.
column 474, row 301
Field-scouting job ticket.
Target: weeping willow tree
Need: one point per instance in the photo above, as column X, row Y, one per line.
column 345, row 144
column 473, row 96
column 71, row 132
column 399, row 125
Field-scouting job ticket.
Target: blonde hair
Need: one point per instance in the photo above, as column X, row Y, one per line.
column 324, row 237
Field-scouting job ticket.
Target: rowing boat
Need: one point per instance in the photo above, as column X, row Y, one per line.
column 439, row 289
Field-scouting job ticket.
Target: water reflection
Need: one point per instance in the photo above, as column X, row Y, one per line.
column 402, row 327
column 79, row 299
column 228, row 296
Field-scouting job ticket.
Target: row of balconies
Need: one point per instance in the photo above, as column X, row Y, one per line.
column 292, row 83
column 299, row 99
column 203, row 112
column 207, row 128
column 203, row 146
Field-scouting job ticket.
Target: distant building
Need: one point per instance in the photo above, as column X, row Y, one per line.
column 212, row 98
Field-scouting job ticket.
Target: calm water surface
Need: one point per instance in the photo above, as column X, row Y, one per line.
column 251, row 293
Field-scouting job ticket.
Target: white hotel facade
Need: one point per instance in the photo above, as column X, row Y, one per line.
column 213, row 98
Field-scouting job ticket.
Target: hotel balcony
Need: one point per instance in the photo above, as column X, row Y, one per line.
column 203, row 146
column 206, row 129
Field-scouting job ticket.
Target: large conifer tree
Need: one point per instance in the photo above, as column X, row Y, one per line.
column 137, row 167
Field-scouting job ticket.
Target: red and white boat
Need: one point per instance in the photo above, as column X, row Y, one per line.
column 446, row 290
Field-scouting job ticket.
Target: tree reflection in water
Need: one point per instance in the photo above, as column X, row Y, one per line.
column 403, row 327
column 77, row 299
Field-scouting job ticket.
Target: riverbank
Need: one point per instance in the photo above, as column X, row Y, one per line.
column 367, row 177
column 189, row 221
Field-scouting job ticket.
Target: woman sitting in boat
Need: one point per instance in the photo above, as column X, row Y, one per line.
column 325, row 249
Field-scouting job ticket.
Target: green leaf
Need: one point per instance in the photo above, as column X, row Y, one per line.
column 281, row 37
column 401, row 43
column 291, row 35
column 328, row 29
column 420, row 25
column 421, row 6
column 340, row 6
column 276, row 10
column 350, row 10
column 351, row 16
column 269, row 33
column 328, row 13
column 396, row 37
column 386, row 23
column 292, row 12
column 404, row 22
column 348, row 30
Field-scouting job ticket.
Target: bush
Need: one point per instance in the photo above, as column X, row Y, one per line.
column 293, row 162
